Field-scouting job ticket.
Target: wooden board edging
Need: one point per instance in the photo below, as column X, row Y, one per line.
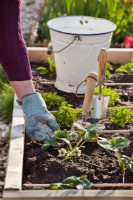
column 13, row 180
column 115, row 55
column 69, row 195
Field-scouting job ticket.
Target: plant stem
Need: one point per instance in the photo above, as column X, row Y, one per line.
column 119, row 160
column 79, row 142
column 123, row 175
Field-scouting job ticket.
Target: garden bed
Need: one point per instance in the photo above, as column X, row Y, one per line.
column 97, row 163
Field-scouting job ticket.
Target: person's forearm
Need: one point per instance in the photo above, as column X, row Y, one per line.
column 22, row 88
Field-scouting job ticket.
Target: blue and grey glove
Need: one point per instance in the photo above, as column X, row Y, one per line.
column 39, row 122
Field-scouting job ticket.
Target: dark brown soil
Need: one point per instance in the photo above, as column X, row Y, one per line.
column 101, row 166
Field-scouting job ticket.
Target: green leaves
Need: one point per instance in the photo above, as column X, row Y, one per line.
column 114, row 96
column 65, row 135
column 49, row 143
column 126, row 69
column 66, row 115
column 52, row 99
column 121, row 116
column 42, row 70
column 72, row 183
column 114, row 144
column 128, row 162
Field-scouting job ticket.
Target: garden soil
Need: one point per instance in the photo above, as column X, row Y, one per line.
column 101, row 166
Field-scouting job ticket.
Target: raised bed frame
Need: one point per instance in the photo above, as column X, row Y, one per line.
column 13, row 182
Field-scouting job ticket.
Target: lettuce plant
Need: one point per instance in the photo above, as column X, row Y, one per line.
column 121, row 116
column 52, row 99
column 66, row 115
column 126, row 69
column 114, row 96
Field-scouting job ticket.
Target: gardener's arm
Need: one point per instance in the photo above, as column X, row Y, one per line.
column 39, row 123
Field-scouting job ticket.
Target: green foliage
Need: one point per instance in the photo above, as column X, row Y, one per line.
column 114, row 144
column 114, row 96
column 79, row 135
column 42, row 70
column 128, row 162
column 6, row 102
column 108, row 69
column 49, row 143
column 52, row 66
column 88, row 133
column 66, row 115
column 3, row 78
column 52, row 99
column 72, row 182
column 121, row 116
column 7, row 136
column 116, row 11
column 51, row 70
column 126, row 69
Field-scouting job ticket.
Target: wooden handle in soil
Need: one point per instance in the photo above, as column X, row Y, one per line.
column 102, row 59
column 90, row 87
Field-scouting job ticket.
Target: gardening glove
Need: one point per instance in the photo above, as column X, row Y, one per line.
column 39, row 122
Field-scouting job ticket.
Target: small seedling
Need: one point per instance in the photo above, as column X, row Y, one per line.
column 51, row 70
column 108, row 69
column 115, row 144
column 72, row 182
column 42, row 70
column 114, row 96
column 121, row 116
column 126, row 69
column 52, row 66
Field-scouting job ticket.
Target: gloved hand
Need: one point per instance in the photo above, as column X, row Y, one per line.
column 39, row 122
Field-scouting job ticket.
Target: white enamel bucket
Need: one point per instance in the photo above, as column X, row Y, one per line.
column 77, row 41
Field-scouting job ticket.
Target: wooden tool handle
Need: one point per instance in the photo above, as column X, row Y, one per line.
column 102, row 58
column 90, row 87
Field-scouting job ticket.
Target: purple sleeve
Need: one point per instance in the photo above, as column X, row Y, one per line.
column 13, row 53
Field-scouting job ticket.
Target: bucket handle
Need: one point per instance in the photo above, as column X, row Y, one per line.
column 50, row 47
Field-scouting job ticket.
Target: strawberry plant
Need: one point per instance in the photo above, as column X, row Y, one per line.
column 72, row 182
column 116, row 144
column 80, row 135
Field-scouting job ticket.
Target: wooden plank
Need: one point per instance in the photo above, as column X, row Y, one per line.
column 96, row 185
column 13, row 179
column 69, row 195
column 115, row 131
column 120, row 55
column 115, row 55
column 118, row 84
column 38, row 54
